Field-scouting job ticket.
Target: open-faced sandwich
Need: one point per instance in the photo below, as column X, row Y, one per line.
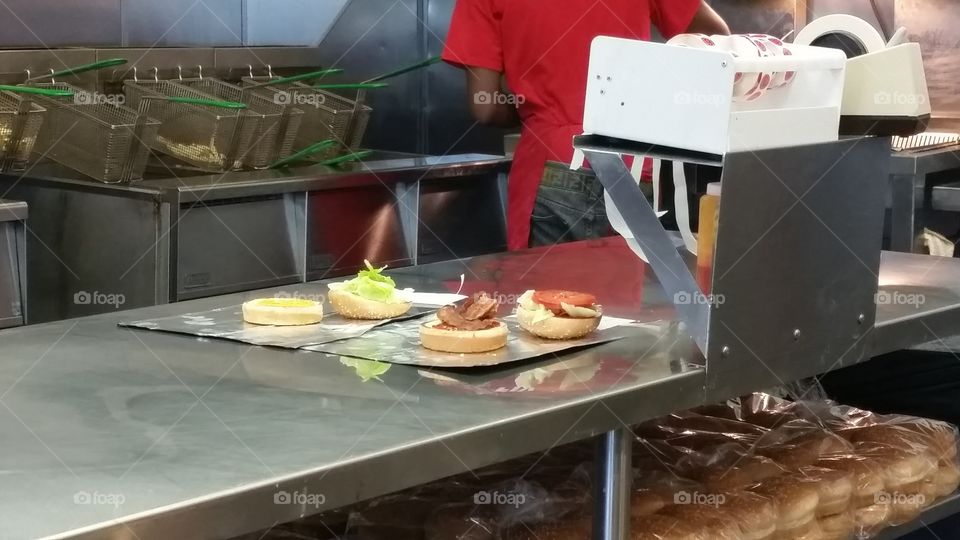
column 370, row 295
column 282, row 311
column 554, row 314
column 468, row 327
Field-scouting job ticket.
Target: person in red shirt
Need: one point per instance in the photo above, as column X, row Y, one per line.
column 541, row 51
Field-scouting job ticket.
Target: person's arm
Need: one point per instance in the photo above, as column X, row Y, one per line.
column 707, row 21
column 489, row 104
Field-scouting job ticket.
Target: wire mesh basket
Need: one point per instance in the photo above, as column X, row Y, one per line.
column 99, row 138
column 20, row 121
column 208, row 137
column 279, row 122
column 326, row 115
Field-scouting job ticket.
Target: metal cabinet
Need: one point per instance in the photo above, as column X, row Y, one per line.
column 12, row 263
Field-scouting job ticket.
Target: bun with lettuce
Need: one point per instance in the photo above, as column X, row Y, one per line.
column 554, row 314
column 370, row 295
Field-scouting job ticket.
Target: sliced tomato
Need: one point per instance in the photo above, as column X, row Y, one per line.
column 553, row 298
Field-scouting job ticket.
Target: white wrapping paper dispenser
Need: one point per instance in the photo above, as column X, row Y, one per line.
column 682, row 97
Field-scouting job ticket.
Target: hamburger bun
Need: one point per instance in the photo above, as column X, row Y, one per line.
column 756, row 515
column 835, row 489
column 838, row 526
column 462, row 341
column 947, row 478
column 282, row 311
column 867, row 477
column 870, row 519
column 458, row 521
column 719, row 524
column 746, row 470
column 557, row 327
column 353, row 306
column 796, row 501
column 902, row 470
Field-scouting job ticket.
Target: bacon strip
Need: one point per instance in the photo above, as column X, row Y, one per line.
column 475, row 313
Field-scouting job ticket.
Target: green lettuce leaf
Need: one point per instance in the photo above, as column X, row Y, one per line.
column 366, row 369
column 371, row 284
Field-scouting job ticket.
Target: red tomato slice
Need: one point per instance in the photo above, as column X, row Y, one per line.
column 552, row 299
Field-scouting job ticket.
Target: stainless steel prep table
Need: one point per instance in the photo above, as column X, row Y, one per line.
column 178, row 235
column 198, row 436
column 911, row 187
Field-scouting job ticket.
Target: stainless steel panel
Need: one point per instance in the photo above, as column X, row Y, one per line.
column 107, row 398
column 182, row 23
column 55, row 23
column 460, row 218
column 235, row 62
column 796, row 262
column 11, row 301
column 165, row 60
column 88, row 252
column 915, row 302
column 371, row 38
column 239, row 245
column 15, row 63
column 350, row 225
column 288, row 22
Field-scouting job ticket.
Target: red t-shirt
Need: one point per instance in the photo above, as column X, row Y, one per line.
column 543, row 49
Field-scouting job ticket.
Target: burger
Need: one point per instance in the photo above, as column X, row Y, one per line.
column 370, row 295
column 468, row 327
column 554, row 314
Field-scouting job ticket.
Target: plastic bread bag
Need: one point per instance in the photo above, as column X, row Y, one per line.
column 661, row 527
column 939, row 437
column 697, row 432
column 800, row 444
column 653, row 490
column 728, row 467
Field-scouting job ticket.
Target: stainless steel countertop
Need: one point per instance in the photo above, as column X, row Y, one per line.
column 111, row 432
column 188, row 186
column 12, row 210
column 925, row 161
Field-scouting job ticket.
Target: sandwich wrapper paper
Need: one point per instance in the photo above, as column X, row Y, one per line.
column 228, row 323
column 399, row 343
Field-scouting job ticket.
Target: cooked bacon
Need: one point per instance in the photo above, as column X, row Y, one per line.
column 480, row 306
column 475, row 313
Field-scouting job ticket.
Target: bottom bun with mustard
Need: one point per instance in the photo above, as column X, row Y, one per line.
column 470, row 327
column 282, row 311
column 555, row 314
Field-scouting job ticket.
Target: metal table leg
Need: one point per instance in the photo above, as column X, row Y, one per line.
column 611, row 517
column 903, row 206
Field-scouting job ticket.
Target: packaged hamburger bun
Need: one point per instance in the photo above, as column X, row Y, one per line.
column 835, row 488
column 866, row 476
column 837, row 526
column 902, row 470
column 869, row 520
column 644, row 502
column 729, row 470
column 947, row 478
column 707, row 518
column 755, row 514
column 796, row 502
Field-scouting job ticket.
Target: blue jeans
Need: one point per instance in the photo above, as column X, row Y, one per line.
column 569, row 207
